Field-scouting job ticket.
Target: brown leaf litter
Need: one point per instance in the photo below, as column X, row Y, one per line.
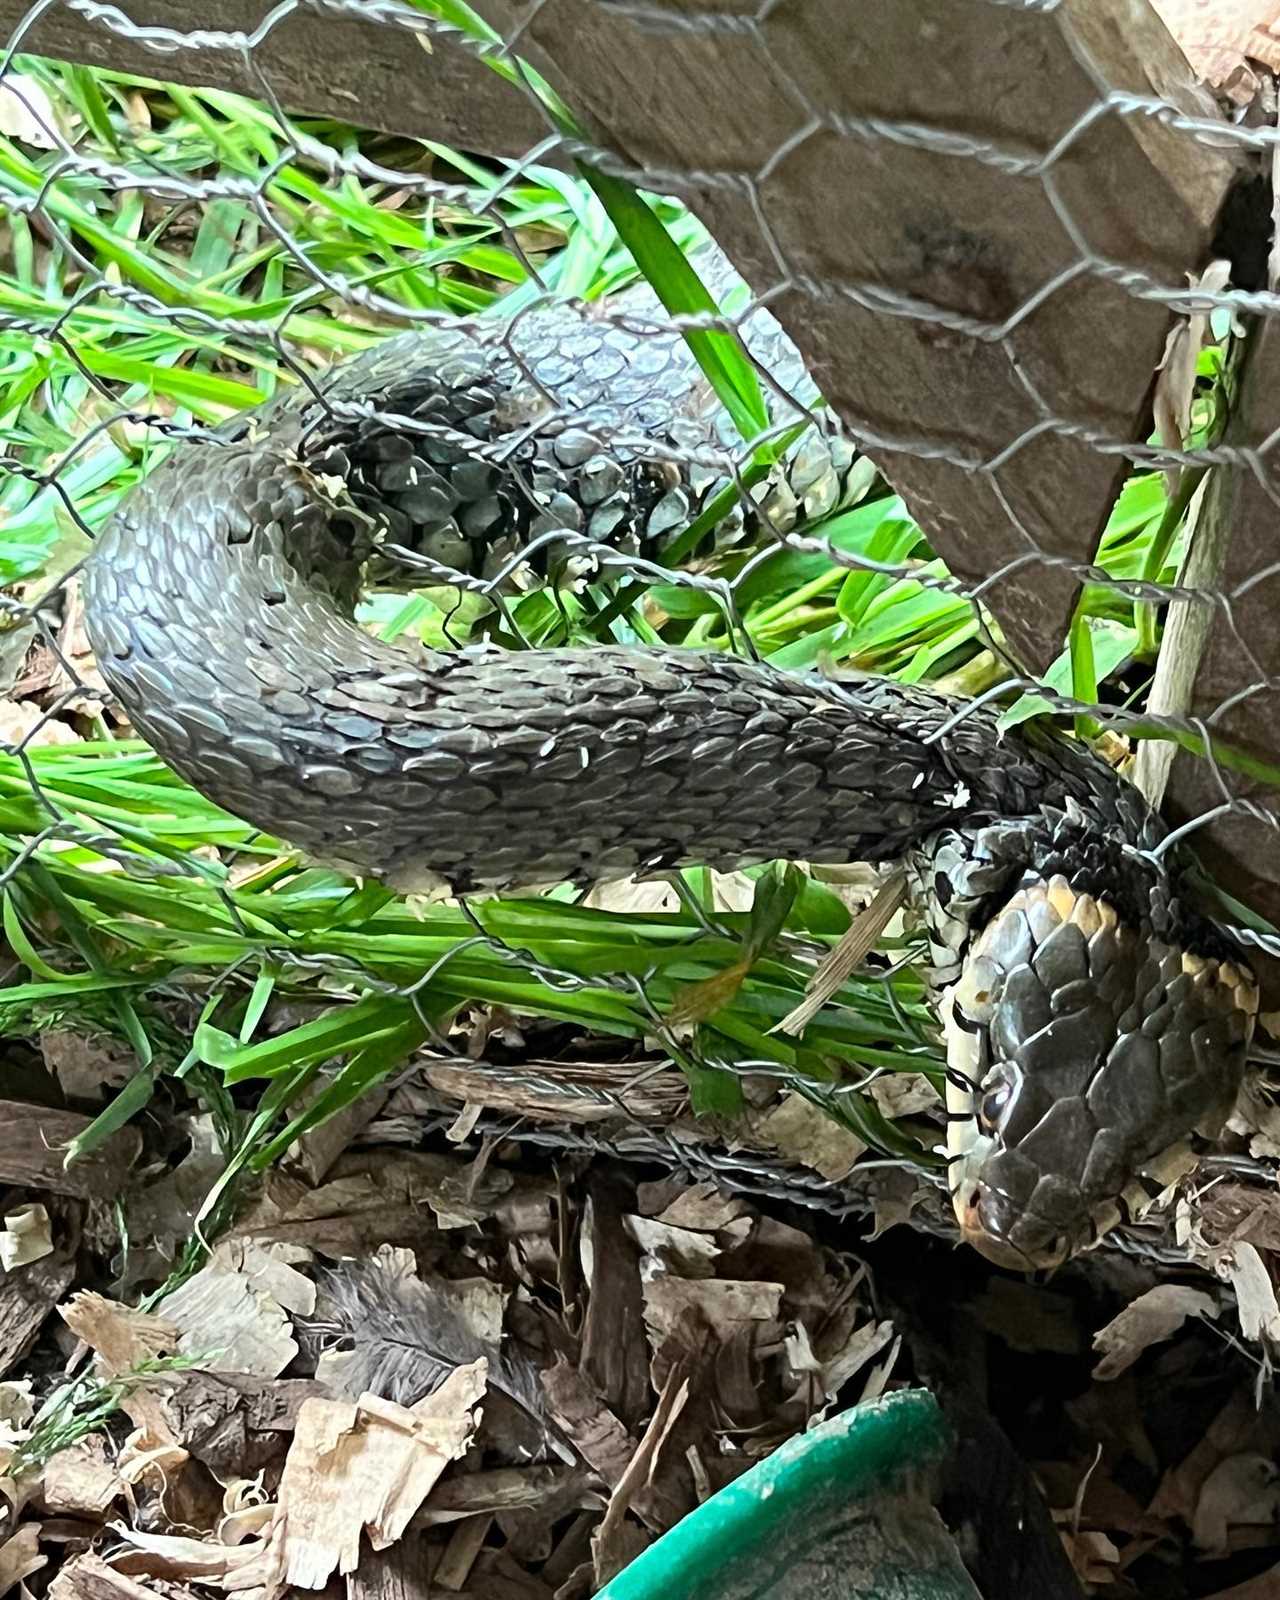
column 523, row 1376
column 451, row 1364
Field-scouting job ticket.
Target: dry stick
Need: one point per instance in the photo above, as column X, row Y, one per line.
column 848, row 955
column 1186, row 633
column 638, row 1472
column 1187, row 625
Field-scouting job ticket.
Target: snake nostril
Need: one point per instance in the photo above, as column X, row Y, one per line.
column 973, row 1209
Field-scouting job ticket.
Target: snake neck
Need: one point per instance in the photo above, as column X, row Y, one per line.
column 962, row 877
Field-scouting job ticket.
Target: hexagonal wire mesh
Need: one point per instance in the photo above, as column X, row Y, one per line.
column 985, row 235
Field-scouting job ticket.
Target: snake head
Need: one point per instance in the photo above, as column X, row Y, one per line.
column 1082, row 1056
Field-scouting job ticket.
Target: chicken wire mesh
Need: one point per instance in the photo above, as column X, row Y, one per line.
column 176, row 255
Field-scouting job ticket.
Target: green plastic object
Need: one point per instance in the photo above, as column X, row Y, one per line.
column 844, row 1512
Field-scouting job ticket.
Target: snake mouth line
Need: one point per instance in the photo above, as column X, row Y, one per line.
column 1052, row 1143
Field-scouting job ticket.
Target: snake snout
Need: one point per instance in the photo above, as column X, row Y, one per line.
column 999, row 1228
column 1082, row 1055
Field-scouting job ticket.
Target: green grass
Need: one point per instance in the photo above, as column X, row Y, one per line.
column 82, row 1406
column 136, row 907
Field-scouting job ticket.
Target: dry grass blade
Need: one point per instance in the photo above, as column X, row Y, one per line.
column 862, row 938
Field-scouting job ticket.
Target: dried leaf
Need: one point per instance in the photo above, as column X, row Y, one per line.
column 365, row 1466
column 1232, row 1212
column 20, row 1554
column 1243, row 1490
column 731, row 891
column 1150, row 1319
column 26, row 111
column 894, row 1197
column 81, row 1481
column 1094, row 1556
column 1246, row 1271
column 682, row 1250
column 903, row 1094
column 16, row 1410
column 878, row 1378
column 162, row 1216
column 703, row 1207
column 315, row 1153
column 696, row 1002
column 23, row 722
column 376, row 1199
column 723, row 1303
column 863, row 1345
column 801, row 1132
column 236, row 1308
column 1230, row 1433
column 1257, row 1117
column 1217, row 38
column 86, row 1064
column 481, row 1306
column 26, row 1237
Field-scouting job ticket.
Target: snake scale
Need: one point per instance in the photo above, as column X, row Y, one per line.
column 1095, row 1022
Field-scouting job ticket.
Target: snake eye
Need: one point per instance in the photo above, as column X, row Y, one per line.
column 994, row 1102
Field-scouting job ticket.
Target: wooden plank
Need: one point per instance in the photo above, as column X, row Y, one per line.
column 775, row 127
column 33, row 1144
column 356, row 69
column 27, row 1296
column 1237, row 687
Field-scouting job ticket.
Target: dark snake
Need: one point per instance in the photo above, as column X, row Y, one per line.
column 1097, row 1024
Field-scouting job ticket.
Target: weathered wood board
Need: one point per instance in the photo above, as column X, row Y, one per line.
column 927, row 180
column 357, row 69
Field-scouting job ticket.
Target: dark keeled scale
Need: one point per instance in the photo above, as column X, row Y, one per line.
column 624, row 442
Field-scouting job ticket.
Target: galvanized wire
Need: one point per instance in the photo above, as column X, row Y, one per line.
column 70, row 164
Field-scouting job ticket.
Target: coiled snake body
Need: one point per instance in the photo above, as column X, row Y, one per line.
column 1093, row 1020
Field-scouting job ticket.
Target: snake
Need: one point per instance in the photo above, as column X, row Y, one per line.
column 1096, row 1021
